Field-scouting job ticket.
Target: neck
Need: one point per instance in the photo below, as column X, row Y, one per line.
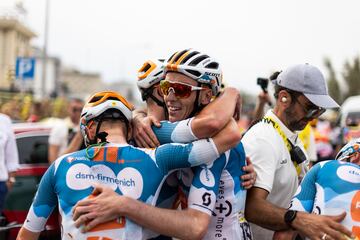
column 282, row 116
column 117, row 139
column 116, row 132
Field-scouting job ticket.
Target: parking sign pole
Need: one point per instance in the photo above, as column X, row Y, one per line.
column 43, row 77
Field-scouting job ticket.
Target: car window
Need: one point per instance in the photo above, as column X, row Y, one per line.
column 33, row 149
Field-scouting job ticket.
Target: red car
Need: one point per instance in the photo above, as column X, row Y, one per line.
column 32, row 143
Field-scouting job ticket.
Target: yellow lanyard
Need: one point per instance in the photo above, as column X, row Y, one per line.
column 276, row 126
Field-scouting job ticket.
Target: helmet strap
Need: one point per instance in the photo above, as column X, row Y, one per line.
column 197, row 105
column 148, row 94
column 100, row 135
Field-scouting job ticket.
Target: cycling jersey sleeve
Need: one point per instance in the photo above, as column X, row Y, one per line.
column 44, row 202
column 177, row 132
column 205, row 185
column 305, row 195
column 176, row 155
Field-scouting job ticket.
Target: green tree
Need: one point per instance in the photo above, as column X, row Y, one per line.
column 333, row 84
column 351, row 75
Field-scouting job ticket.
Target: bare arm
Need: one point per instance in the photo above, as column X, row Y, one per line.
column 143, row 134
column 228, row 137
column 53, row 152
column 217, row 113
column 284, row 235
column 104, row 207
column 272, row 217
column 25, row 234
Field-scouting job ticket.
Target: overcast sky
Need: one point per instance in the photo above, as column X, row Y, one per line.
column 249, row 38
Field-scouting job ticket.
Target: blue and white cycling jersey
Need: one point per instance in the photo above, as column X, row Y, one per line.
column 130, row 171
column 215, row 188
column 330, row 188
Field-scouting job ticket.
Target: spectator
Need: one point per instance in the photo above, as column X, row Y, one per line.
column 35, row 112
column 9, row 159
column 278, row 155
column 63, row 132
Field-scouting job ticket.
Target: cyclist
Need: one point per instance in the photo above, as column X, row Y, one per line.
column 202, row 198
column 331, row 187
column 133, row 172
column 149, row 76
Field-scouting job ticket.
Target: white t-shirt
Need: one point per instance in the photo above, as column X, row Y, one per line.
column 9, row 159
column 59, row 134
column 271, row 159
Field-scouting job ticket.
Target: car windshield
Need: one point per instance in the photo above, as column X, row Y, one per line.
column 33, row 149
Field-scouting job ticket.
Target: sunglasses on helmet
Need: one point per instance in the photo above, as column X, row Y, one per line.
column 181, row 90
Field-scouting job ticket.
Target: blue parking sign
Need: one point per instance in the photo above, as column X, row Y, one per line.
column 25, row 67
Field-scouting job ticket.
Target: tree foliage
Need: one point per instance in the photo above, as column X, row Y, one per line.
column 351, row 75
column 333, row 84
column 351, row 79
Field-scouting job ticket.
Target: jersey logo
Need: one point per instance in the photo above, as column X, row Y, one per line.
column 206, row 198
column 225, row 208
column 129, row 180
column 207, row 178
column 349, row 174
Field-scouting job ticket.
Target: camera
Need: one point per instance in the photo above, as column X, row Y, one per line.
column 263, row 83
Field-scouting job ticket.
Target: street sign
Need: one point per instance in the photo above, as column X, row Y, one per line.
column 25, row 68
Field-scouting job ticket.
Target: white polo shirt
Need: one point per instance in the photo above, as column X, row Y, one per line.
column 9, row 159
column 276, row 172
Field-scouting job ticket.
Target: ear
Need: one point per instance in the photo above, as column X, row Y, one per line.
column 90, row 130
column 284, row 98
column 205, row 96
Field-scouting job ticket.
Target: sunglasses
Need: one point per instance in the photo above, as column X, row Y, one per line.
column 181, row 90
column 311, row 111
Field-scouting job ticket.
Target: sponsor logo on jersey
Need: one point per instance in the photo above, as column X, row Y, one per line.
column 129, row 180
column 70, row 159
column 349, row 174
column 131, row 183
column 207, row 178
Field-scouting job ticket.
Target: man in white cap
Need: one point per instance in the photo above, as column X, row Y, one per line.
column 278, row 156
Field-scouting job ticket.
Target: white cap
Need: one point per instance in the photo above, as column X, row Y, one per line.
column 308, row 80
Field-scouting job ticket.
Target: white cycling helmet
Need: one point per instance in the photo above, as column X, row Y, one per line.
column 106, row 104
column 151, row 72
column 349, row 149
column 198, row 66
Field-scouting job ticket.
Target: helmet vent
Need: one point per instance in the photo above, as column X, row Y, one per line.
column 172, row 56
column 212, row 65
column 193, row 72
column 197, row 60
column 113, row 98
column 189, row 56
column 179, row 55
column 95, row 99
column 158, row 73
column 146, row 68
